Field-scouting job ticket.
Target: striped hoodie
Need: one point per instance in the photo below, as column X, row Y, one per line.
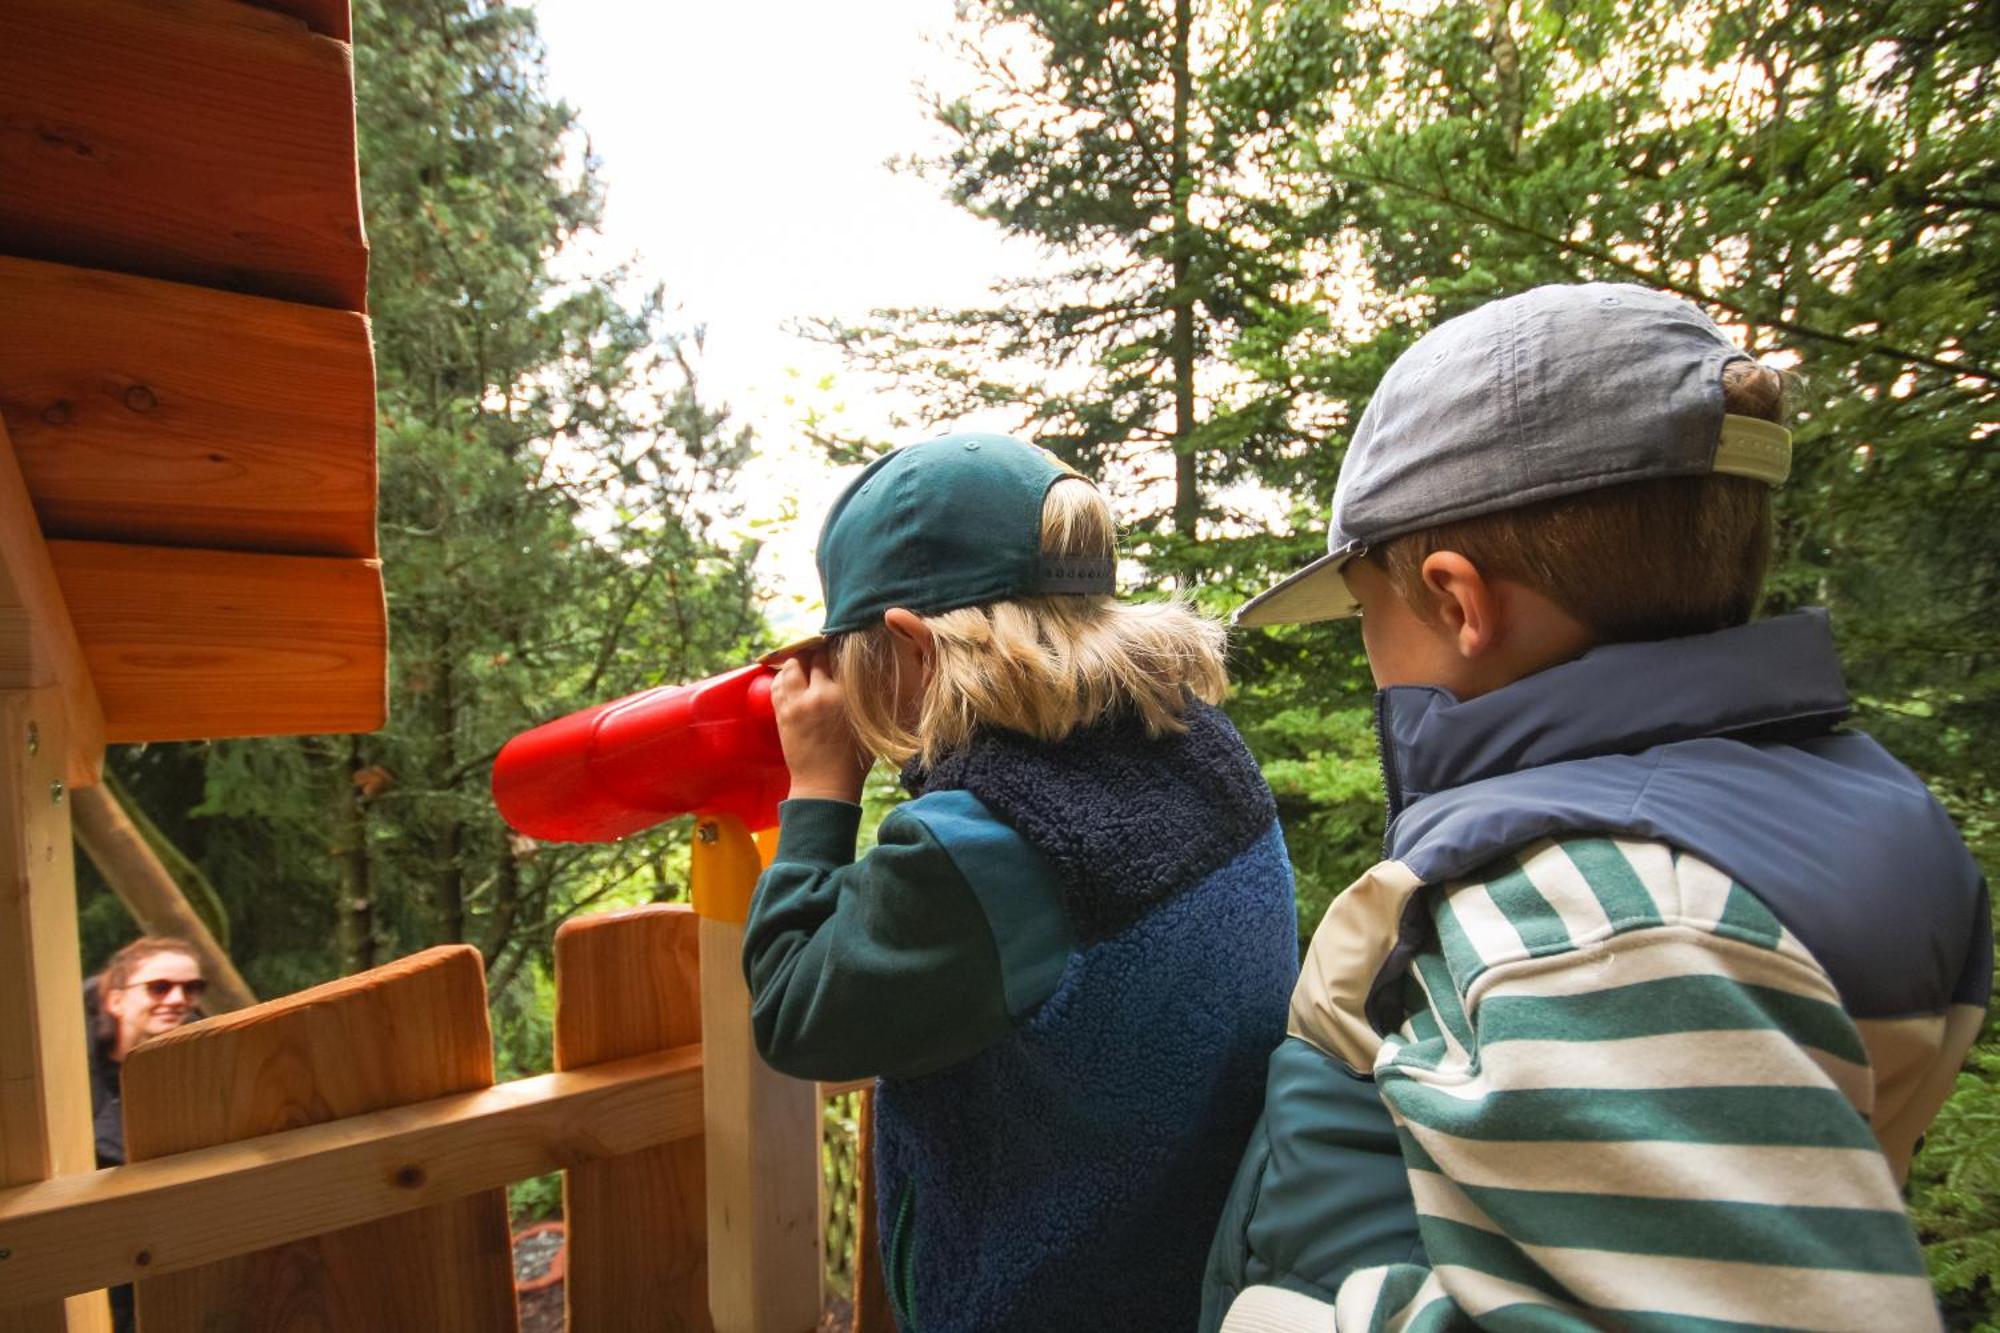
column 1663, row 979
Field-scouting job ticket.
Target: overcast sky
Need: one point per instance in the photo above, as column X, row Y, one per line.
column 743, row 147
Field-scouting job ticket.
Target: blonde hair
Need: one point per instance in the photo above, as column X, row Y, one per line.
column 1043, row 666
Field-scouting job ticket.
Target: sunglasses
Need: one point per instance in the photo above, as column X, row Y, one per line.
column 160, row 988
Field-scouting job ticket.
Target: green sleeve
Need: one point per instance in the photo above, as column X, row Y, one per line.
column 915, row 957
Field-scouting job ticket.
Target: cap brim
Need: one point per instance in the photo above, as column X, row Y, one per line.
column 793, row 649
column 1317, row 592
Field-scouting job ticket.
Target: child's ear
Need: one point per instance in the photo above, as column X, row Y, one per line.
column 909, row 627
column 1464, row 602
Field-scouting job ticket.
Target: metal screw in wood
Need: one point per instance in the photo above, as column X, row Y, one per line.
column 55, row 791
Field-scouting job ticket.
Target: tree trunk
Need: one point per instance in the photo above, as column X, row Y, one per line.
column 357, row 895
column 506, row 903
column 1181, row 349
column 1506, row 72
column 448, row 888
column 150, row 892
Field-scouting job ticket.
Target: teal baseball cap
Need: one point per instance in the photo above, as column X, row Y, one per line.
column 950, row 522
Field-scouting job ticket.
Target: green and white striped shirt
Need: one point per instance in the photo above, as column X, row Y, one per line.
column 1628, row 1097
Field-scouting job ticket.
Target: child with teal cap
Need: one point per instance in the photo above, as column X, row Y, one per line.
column 1067, row 959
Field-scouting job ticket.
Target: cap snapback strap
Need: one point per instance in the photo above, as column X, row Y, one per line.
column 1080, row 574
column 1755, row 448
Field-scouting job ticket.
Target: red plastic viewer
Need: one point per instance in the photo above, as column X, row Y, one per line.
column 607, row 772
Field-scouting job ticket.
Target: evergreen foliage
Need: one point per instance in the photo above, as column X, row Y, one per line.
column 1094, row 130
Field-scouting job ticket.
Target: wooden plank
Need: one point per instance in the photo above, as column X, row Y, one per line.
column 39, row 645
column 157, row 413
column 204, row 141
column 407, row 1032
column 628, row 983
column 762, row 1131
column 44, row 1078
column 184, row 644
column 194, row 1208
column 873, row 1312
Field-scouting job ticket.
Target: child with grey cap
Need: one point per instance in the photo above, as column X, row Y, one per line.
column 1067, row 959
column 1665, row 971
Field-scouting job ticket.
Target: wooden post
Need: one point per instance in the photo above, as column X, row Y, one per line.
column 51, row 740
column 44, row 1071
column 762, row 1128
column 409, row 1031
column 872, row 1311
column 627, row 984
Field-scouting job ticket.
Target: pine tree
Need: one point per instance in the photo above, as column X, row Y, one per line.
column 1095, row 131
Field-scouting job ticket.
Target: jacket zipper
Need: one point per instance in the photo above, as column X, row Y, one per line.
column 900, row 1283
column 1392, row 787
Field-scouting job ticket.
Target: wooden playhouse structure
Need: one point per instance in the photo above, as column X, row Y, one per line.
column 187, row 549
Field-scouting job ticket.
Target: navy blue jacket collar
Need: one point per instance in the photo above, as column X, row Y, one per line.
column 1771, row 679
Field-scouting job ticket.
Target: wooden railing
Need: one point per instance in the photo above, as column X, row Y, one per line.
column 337, row 1158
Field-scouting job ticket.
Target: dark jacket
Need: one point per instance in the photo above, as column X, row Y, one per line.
column 1069, row 963
column 1728, row 746
column 106, row 1109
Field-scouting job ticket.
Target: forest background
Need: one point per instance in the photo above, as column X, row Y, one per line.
column 1246, row 211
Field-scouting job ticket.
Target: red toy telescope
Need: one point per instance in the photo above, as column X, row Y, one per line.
column 609, row 771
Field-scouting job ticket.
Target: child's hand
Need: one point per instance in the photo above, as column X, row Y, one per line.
column 827, row 763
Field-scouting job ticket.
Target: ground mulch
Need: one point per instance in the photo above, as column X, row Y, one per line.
column 542, row 1312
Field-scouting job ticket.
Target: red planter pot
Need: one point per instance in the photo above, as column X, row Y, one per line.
column 558, row 1264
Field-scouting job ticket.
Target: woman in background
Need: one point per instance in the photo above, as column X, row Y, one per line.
column 152, row 985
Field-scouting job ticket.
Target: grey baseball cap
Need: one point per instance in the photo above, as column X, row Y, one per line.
column 1555, row 391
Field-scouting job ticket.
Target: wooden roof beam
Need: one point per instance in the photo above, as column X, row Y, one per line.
column 188, row 644
column 202, row 141
column 38, row 642
column 159, row 414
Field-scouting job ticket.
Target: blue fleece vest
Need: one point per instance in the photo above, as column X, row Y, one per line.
column 1724, row 745
column 1068, row 1177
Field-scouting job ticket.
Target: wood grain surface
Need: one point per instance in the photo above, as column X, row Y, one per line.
column 44, row 1084
column 413, row 1030
column 208, row 1204
column 873, row 1312
column 763, row 1159
column 157, row 413
column 627, row 984
column 205, row 141
column 39, row 645
column 185, row 643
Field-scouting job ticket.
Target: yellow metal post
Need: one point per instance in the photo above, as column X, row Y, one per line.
column 762, row 1129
